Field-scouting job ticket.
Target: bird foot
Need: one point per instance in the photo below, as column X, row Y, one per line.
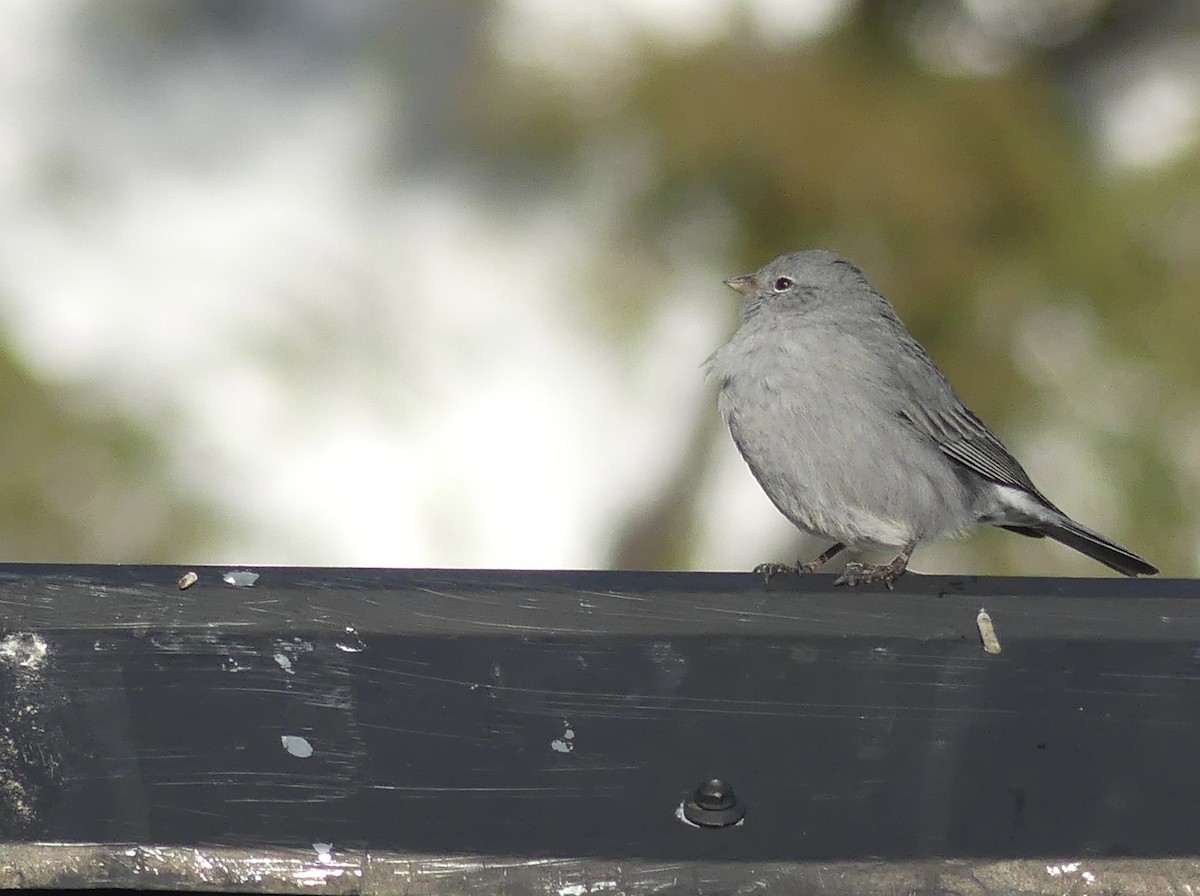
column 858, row 574
column 769, row 570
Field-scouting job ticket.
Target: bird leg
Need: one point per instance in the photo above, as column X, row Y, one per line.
column 819, row 561
column 769, row 570
column 857, row 574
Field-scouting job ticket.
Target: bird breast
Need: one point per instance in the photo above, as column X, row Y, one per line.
column 824, row 443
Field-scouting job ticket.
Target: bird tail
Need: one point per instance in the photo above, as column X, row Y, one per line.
column 1093, row 544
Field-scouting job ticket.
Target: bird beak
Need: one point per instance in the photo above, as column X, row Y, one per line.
column 745, row 284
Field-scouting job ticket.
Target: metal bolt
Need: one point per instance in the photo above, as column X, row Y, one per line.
column 714, row 805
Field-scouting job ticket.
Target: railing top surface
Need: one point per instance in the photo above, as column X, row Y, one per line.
column 507, row 602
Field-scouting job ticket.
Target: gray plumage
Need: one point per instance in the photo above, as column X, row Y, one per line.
column 854, row 433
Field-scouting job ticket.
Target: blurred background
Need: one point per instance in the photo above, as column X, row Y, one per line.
column 430, row 283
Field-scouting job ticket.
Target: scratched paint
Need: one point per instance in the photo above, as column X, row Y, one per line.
column 23, row 650
column 293, row 645
column 272, row 869
column 565, row 743
column 598, row 886
column 240, row 578
column 30, row 736
column 350, row 642
column 286, row 652
column 296, row 745
column 317, row 877
column 259, row 870
column 670, row 663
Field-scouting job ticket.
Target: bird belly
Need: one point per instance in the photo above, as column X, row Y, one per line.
column 845, row 472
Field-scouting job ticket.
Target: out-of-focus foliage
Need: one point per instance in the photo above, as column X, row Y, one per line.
column 988, row 163
column 974, row 201
column 77, row 485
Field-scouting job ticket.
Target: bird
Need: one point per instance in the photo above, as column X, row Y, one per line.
column 857, row 437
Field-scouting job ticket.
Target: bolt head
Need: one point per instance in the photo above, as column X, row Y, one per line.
column 714, row 805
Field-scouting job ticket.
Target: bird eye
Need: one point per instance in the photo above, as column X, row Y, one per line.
column 783, row 283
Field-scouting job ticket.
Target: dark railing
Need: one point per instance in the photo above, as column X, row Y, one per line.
column 430, row 731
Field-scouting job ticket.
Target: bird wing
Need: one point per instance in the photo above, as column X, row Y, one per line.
column 964, row 438
column 931, row 405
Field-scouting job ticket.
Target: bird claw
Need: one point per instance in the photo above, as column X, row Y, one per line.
column 769, row 570
column 858, row 574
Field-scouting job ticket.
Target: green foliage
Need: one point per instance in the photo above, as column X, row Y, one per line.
column 971, row 202
column 80, row 486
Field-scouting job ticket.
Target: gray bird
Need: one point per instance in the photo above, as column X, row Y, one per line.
column 857, row 437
